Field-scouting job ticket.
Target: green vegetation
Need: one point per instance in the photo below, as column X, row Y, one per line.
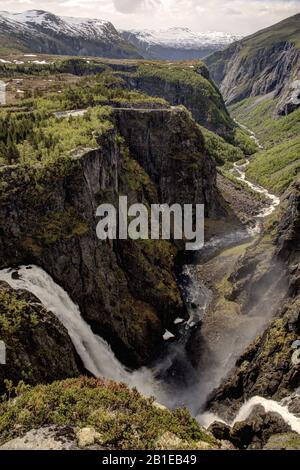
column 60, row 226
column 14, row 313
column 260, row 116
column 124, row 418
column 222, row 151
column 73, row 66
column 202, row 98
column 286, row 30
column 277, row 166
column 31, row 133
column 242, row 140
column 50, row 138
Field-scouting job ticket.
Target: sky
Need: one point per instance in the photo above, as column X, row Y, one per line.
column 236, row 16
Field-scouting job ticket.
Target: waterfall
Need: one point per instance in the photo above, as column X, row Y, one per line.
column 270, row 406
column 94, row 352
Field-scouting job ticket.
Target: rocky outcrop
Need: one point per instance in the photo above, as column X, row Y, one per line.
column 284, row 441
column 38, row 347
column 175, row 161
column 45, row 438
column 191, row 88
column 291, row 99
column 126, row 290
column 268, row 70
column 253, row 432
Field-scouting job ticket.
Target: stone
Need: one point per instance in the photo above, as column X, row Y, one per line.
column 255, row 431
column 168, row 441
column 47, row 438
column 220, row 431
column 87, row 437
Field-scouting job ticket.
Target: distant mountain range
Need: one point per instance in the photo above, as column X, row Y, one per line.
column 178, row 43
column 43, row 32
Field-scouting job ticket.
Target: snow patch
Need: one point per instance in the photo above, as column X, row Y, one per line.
column 182, row 38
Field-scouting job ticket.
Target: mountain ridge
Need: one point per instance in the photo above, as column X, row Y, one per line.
column 264, row 62
column 177, row 43
column 43, row 32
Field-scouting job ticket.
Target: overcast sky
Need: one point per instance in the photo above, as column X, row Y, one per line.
column 241, row 16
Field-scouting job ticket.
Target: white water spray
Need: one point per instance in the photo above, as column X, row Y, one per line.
column 94, row 352
column 270, row 406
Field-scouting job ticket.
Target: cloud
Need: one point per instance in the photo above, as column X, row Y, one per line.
column 241, row 16
column 131, row 6
column 233, row 11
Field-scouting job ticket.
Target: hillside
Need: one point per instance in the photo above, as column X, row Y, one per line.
column 260, row 80
column 265, row 62
column 43, row 32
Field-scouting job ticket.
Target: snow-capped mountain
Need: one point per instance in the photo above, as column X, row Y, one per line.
column 41, row 31
column 178, row 43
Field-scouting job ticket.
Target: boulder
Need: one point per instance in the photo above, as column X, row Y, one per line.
column 254, row 432
column 220, row 431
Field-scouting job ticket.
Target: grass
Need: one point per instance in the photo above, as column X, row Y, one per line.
column 277, row 166
column 260, row 116
column 124, row 418
column 221, row 150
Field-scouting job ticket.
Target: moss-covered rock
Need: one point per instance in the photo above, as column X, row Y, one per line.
column 187, row 86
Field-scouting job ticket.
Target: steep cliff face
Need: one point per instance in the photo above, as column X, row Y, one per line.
column 38, row 348
column 175, row 161
column 265, row 62
column 270, row 367
column 189, row 86
column 126, row 290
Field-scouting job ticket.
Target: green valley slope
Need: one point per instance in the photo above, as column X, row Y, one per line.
column 259, row 77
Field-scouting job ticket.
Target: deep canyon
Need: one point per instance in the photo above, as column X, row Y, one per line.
column 215, row 331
